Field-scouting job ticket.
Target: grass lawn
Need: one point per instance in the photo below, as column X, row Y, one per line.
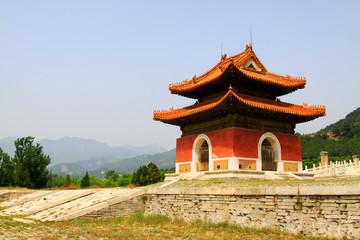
column 135, row 227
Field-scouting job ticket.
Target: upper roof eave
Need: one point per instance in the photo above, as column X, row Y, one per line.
column 237, row 62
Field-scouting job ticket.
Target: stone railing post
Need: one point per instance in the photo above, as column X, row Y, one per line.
column 356, row 159
column 324, row 158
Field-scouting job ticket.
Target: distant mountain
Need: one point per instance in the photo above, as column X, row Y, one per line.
column 100, row 165
column 339, row 139
column 73, row 149
column 74, row 169
column 146, row 149
column 163, row 160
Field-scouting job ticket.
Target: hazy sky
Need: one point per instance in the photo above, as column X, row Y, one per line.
column 98, row 69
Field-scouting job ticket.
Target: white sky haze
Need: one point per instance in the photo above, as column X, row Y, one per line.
column 98, row 69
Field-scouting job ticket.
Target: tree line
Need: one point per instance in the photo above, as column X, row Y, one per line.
column 341, row 140
column 28, row 167
column 144, row 175
column 113, row 180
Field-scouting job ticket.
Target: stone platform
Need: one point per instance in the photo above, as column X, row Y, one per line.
column 316, row 209
column 248, row 174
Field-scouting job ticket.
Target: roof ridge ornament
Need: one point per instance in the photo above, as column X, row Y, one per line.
column 248, row 46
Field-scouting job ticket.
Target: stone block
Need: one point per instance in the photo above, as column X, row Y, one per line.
column 337, row 214
column 334, row 216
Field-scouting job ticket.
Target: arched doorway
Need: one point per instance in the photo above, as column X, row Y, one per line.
column 268, row 155
column 203, row 164
column 201, row 154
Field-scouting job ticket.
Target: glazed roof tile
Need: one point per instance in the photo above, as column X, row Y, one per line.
column 237, row 62
column 249, row 101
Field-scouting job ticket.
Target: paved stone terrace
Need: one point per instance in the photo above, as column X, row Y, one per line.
column 241, row 183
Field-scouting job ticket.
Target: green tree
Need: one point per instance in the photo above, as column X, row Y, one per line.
column 22, row 176
column 112, row 175
column 154, row 174
column 85, row 181
column 30, row 162
column 50, row 181
column 133, row 178
column 57, row 180
column 109, row 174
column 67, row 181
column 6, row 169
column 146, row 175
column 136, row 176
column 124, row 180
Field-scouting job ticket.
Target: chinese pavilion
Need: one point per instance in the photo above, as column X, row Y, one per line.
column 238, row 121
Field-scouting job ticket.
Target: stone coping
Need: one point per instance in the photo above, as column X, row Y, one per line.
column 172, row 174
column 251, row 191
column 221, row 172
column 236, row 172
column 303, row 174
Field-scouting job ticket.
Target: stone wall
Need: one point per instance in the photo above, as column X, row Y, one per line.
column 333, row 211
column 122, row 209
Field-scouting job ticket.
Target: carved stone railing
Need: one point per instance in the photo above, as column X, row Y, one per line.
column 335, row 168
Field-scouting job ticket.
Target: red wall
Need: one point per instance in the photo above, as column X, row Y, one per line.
column 290, row 146
column 222, row 142
column 246, row 142
column 184, row 148
column 236, row 142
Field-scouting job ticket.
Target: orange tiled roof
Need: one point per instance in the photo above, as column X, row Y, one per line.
column 254, row 102
column 237, row 62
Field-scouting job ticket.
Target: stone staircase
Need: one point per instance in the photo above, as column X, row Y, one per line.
column 67, row 204
column 195, row 175
column 59, row 205
column 189, row 175
column 173, row 178
column 287, row 176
